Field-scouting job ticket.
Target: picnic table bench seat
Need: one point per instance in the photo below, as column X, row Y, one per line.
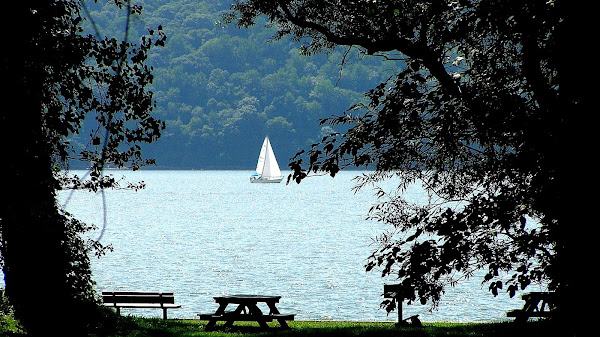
column 521, row 312
column 140, row 300
column 245, row 317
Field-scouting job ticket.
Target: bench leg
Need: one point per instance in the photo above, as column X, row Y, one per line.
column 273, row 310
column 241, row 308
column 401, row 322
column 399, row 302
column 211, row 324
column 255, row 311
column 164, row 313
column 522, row 318
column 283, row 324
column 220, row 311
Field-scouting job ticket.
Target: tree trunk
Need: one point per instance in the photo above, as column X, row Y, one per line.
column 32, row 230
column 575, row 149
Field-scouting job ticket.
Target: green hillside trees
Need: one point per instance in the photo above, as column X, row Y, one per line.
column 221, row 89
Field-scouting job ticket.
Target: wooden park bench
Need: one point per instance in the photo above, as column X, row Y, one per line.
column 537, row 304
column 140, row 300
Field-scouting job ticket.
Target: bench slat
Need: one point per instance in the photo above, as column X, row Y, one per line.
column 123, row 292
column 137, row 297
column 143, row 305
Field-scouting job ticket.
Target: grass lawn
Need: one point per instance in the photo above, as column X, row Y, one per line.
column 138, row 327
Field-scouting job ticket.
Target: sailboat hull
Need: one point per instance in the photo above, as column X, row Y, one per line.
column 263, row 180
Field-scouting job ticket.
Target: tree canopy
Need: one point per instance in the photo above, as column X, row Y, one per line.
column 481, row 113
column 60, row 79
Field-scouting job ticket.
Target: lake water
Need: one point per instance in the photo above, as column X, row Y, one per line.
column 206, row 233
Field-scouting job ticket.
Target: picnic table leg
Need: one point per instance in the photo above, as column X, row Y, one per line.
column 274, row 310
column 254, row 310
column 236, row 312
column 530, row 306
column 220, row 311
column 521, row 318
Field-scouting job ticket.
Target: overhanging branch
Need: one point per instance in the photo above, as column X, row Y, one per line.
column 417, row 50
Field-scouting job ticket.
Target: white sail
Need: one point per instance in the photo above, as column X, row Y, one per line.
column 271, row 168
column 261, row 157
column 267, row 169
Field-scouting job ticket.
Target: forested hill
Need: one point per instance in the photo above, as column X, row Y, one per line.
column 222, row 89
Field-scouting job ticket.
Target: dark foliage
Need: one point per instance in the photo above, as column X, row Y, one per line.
column 481, row 114
column 60, row 78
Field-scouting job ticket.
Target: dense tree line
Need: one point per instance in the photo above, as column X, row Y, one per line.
column 221, row 89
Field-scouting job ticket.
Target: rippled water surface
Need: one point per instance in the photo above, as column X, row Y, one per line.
column 207, row 233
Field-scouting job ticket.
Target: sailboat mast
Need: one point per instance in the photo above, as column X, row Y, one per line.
column 266, row 171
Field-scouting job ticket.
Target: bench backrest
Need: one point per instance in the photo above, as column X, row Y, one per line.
column 137, row 297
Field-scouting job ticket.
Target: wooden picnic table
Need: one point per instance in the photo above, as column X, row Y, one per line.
column 537, row 304
column 247, row 310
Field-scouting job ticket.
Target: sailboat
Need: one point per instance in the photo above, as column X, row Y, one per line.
column 267, row 170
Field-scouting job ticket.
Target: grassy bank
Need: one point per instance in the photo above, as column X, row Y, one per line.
column 130, row 326
column 137, row 327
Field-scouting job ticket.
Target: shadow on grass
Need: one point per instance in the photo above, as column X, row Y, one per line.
column 137, row 327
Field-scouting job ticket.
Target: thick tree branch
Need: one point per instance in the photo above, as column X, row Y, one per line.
column 415, row 50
